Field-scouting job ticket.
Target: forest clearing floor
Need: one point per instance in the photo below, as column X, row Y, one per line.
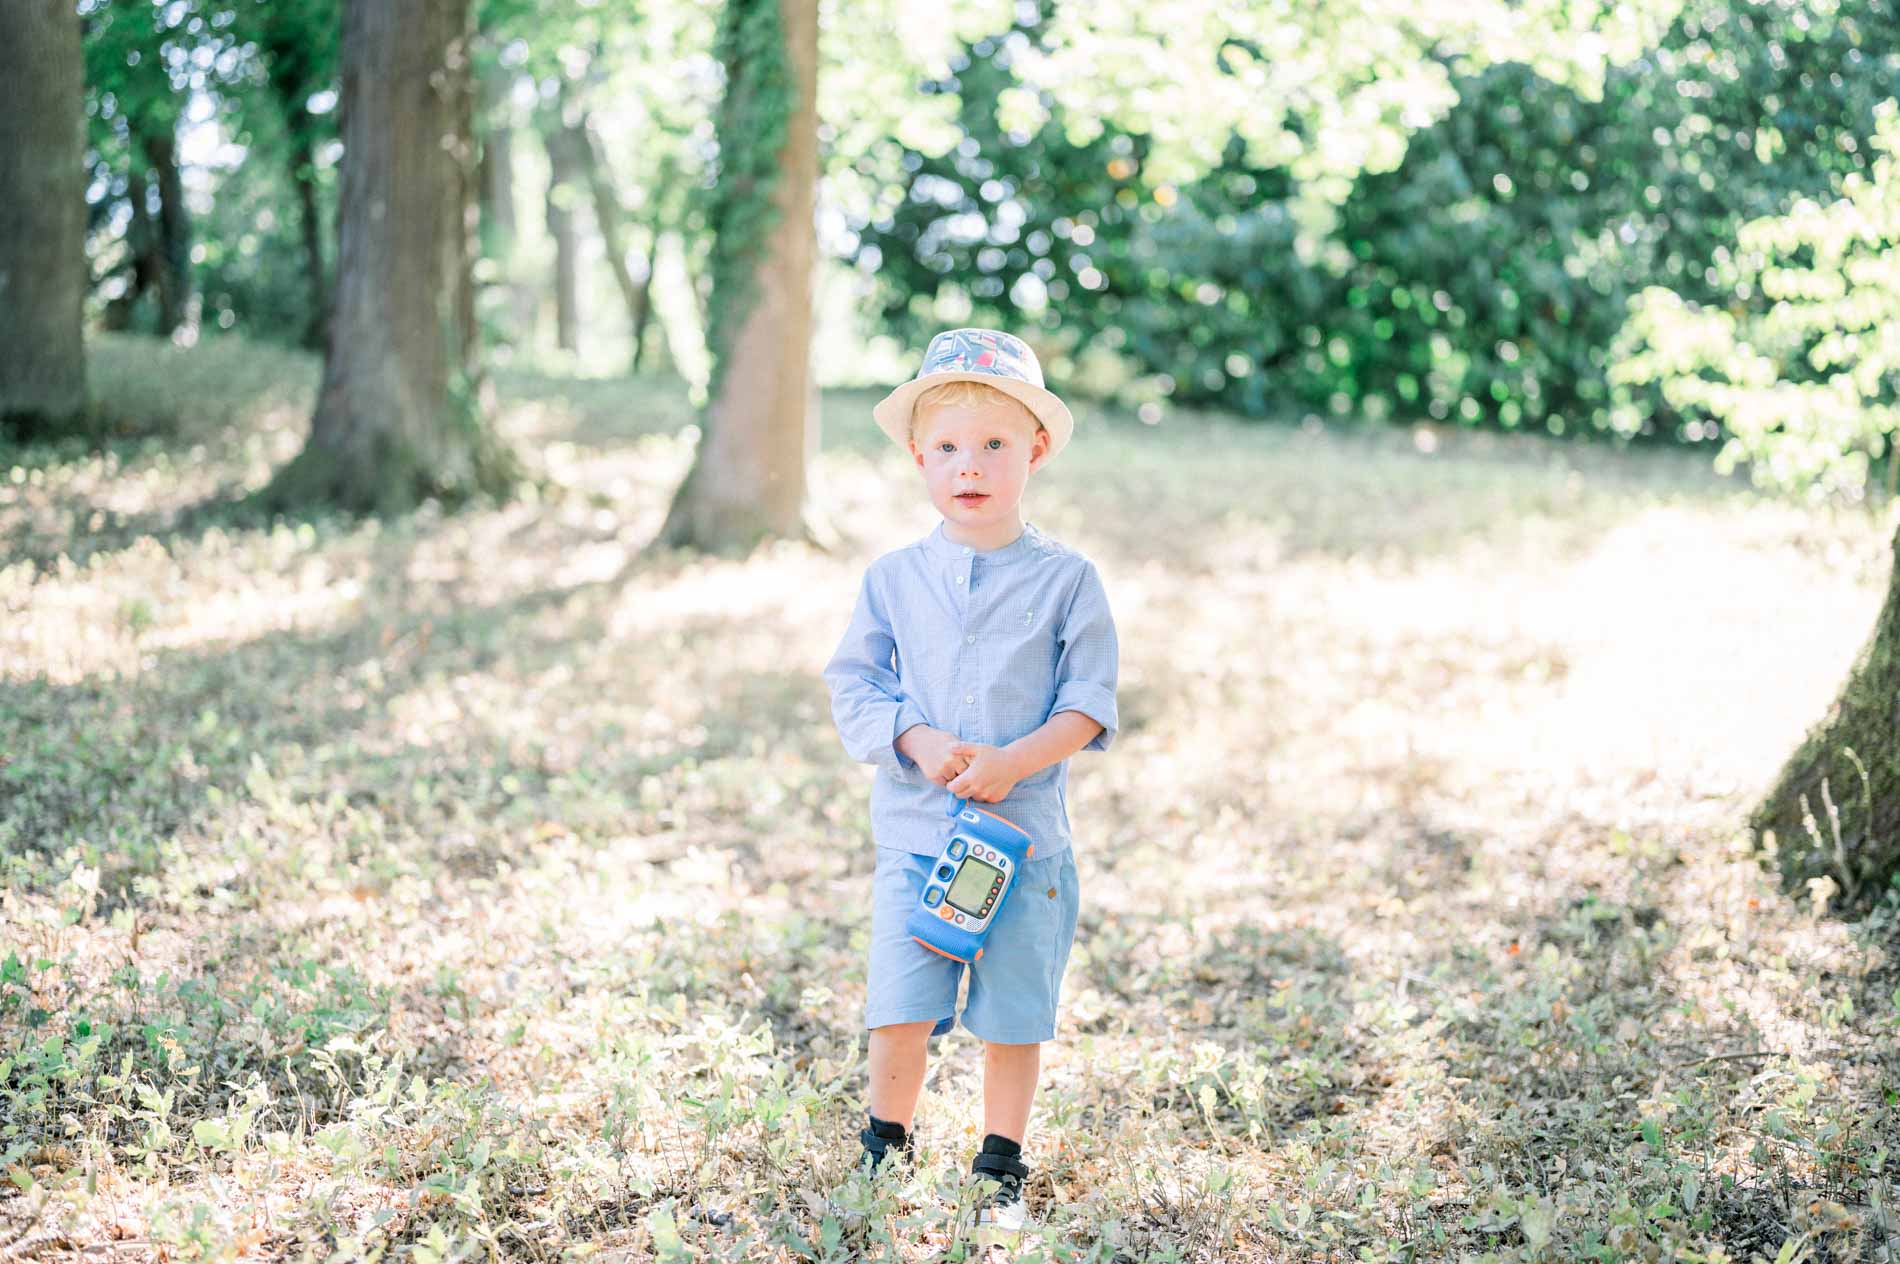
column 489, row 885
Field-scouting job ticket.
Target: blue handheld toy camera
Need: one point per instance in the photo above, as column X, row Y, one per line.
column 964, row 894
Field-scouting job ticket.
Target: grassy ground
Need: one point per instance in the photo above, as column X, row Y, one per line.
column 489, row 885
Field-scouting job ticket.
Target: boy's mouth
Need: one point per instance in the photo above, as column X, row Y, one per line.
column 972, row 498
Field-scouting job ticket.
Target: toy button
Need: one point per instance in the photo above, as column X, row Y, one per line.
column 957, row 849
column 959, row 919
column 944, row 872
column 933, row 897
column 945, row 911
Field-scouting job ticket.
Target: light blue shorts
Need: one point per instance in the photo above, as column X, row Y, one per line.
column 1013, row 989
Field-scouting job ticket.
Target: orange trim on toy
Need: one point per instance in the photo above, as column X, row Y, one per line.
column 1004, row 819
column 941, row 953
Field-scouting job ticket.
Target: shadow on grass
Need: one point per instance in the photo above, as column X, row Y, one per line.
column 1581, row 1070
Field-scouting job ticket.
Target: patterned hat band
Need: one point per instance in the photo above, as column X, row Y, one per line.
column 989, row 356
column 987, row 351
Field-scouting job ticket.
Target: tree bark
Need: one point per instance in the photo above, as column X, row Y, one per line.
column 303, row 174
column 563, row 196
column 606, row 201
column 141, row 244
column 174, row 231
column 400, row 414
column 642, row 300
column 747, row 482
column 499, row 218
column 42, row 218
column 1835, row 810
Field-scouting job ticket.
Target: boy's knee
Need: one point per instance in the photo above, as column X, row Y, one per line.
column 905, row 1031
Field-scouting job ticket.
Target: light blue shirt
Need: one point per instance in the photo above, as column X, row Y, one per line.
column 983, row 644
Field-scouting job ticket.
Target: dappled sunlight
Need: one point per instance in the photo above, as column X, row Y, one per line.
column 1416, row 856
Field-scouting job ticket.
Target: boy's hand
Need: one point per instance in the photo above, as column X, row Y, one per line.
column 991, row 772
column 931, row 749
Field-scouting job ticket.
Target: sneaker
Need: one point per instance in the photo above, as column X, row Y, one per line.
column 1001, row 1215
column 861, row 1193
column 881, row 1140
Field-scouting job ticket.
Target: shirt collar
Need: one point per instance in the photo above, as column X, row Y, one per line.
column 1025, row 545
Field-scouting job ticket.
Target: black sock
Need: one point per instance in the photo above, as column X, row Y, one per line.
column 996, row 1144
column 888, row 1131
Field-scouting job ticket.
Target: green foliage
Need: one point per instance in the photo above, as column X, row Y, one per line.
column 1200, row 288
column 1330, row 91
column 1494, row 268
column 1800, row 371
column 1478, row 273
column 258, row 66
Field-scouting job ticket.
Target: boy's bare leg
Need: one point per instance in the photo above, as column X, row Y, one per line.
column 1009, row 1086
column 899, row 1054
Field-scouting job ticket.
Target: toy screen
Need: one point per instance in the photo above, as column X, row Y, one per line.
column 972, row 883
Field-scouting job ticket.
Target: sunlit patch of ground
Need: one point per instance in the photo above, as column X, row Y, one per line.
column 492, row 882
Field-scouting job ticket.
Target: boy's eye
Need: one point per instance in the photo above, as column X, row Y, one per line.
column 997, row 442
column 946, row 446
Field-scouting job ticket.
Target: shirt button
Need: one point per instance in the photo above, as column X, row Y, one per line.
column 969, row 697
column 959, row 579
column 971, row 640
column 967, row 550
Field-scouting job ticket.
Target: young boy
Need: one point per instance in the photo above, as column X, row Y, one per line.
column 978, row 659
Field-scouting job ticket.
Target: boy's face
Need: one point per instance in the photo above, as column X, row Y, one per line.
column 977, row 459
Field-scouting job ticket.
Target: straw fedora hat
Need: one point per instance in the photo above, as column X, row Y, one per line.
column 991, row 357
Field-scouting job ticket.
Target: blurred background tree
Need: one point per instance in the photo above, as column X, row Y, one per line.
column 402, row 415
column 42, row 272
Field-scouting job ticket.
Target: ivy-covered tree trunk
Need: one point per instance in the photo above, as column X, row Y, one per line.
column 42, row 217
column 1835, row 811
column 747, row 482
column 399, row 416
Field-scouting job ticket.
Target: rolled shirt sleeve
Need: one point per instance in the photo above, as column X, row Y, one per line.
column 867, row 705
column 1088, row 661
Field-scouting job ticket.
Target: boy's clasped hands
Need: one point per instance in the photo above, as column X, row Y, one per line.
column 969, row 770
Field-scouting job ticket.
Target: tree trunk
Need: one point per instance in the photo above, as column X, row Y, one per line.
column 600, row 186
column 174, row 232
column 400, row 414
column 747, row 482
column 498, row 164
column 643, row 298
column 563, row 197
column 303, row 174
column 499, row 219
column 42, row 218
column 141, row 244
column 1835, row 811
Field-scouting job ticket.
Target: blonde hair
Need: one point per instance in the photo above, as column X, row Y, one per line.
column 964, row 391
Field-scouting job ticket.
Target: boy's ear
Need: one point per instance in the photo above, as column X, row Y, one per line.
column 1039, row 448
